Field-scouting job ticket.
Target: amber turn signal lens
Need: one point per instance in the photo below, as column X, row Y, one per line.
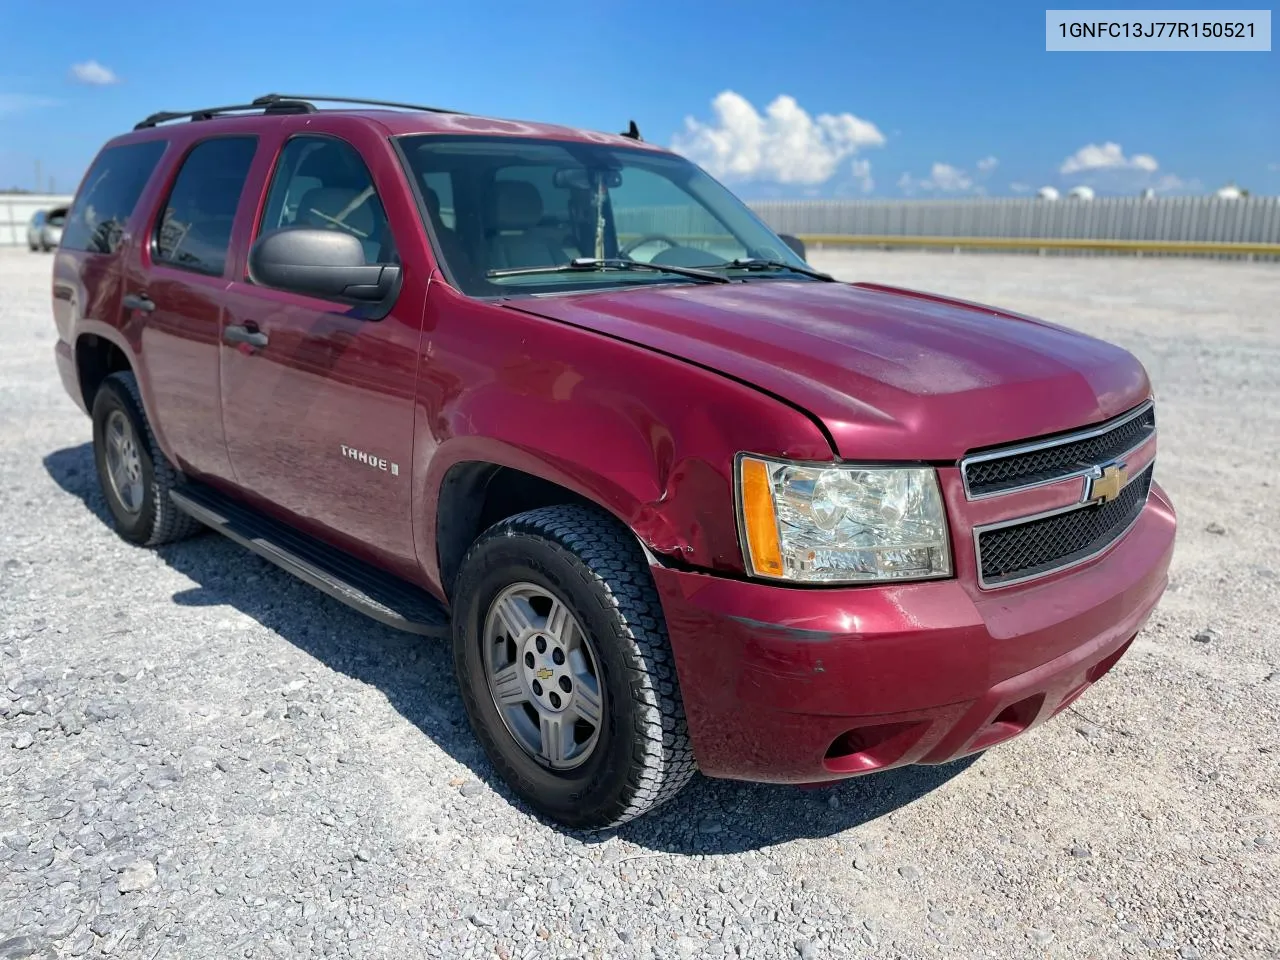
column 759, row 519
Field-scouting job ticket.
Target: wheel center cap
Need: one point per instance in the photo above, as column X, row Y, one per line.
column 546, row 672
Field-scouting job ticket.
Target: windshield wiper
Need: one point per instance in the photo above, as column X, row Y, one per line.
column 756, row 263
column 593, row 264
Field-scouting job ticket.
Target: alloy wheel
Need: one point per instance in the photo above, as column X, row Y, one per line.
column 543, row 675
column 124, row 462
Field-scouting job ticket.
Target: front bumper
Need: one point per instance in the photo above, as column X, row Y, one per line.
column 796, row 685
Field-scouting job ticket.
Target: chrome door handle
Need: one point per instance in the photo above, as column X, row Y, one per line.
column 237, row 334
column 138, row 301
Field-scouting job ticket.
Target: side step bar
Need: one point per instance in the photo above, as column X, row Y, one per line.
column 373, row 592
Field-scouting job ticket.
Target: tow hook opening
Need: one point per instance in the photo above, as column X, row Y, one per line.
column 1099, row 669
column 1010, row 722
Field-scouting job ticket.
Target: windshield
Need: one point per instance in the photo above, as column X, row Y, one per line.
column 497, row 205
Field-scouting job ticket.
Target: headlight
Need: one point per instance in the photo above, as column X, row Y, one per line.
column 841, row 524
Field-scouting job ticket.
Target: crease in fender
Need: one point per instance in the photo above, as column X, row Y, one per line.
column 782, row 631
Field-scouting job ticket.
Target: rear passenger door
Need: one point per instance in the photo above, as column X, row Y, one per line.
column 318, row 404
column 177, row 293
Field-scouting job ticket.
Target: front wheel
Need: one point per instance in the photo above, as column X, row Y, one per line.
column 566, row 671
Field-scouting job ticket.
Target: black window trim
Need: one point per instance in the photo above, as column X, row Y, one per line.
column 420, row 200
column 153, row 235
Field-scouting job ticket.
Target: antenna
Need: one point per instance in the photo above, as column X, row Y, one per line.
column 633, row 132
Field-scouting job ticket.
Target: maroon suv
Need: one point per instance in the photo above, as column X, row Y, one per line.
column 682, row 501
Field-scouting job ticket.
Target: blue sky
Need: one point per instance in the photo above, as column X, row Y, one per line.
column 897, row 99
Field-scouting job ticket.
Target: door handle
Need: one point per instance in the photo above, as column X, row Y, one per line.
column 138, row 301
column 237, row 334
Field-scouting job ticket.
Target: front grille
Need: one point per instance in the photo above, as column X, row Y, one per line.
column 1053, row 459
column 1033, row 548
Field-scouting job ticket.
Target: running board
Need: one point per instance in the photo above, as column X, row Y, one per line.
column 375, row 593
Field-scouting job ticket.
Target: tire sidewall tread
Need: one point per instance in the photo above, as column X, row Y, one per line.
column 159, row 521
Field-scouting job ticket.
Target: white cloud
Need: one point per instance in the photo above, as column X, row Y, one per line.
column 943, row 178
column 987, row 164
column 1020, row 187
column 1108, row 156
column 93, row 73
column 21, row 102
column 1274, row 167
column 947, row 178
column 784, row 145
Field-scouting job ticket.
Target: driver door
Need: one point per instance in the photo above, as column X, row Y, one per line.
column 317, row 402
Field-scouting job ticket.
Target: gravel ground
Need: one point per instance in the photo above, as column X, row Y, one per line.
column 201, row 757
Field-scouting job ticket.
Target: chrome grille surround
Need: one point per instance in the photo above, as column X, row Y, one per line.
column 993, row 473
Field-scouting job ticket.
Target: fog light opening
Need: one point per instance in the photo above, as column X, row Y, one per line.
column 864, row 749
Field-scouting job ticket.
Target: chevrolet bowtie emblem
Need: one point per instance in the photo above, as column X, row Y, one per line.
column 1106, row 482
column 545, row 674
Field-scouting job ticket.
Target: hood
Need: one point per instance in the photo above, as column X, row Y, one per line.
column 892, row 374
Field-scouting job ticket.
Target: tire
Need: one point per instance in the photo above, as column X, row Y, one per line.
column 148, row 517
column 583, row 558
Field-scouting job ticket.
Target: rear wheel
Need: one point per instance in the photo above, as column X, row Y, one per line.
column 133, row 472
column 562, row 655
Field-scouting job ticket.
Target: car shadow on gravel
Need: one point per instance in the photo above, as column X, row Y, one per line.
column 415, row 674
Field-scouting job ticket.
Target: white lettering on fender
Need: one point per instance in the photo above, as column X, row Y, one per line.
column 372, row 460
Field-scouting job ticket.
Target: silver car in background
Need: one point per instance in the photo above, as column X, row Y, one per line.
column 44, row 232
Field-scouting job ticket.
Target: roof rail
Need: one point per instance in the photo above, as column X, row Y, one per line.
column 272, row 98
column 276, row 105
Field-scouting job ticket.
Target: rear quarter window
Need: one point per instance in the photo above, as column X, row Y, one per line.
column 108, row 195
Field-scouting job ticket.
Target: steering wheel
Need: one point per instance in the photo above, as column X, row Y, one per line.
column 647, row 238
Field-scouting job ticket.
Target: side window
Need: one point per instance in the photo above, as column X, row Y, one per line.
column 194, row 231
column 322, row 182
column 108, row 195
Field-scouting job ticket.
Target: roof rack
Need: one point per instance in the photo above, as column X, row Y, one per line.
column 285, row 103
column 272, row 98
column 275, row 103
column 280, row 105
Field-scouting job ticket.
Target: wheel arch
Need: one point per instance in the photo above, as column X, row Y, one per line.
column 97, row 356
column 474, row 494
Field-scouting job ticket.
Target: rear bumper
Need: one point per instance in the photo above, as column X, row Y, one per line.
column 804, row 685
column 66, row 361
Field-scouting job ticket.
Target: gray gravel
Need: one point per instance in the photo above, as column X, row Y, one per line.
column 201, row 757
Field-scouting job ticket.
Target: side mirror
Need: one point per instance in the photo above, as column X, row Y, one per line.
column 795, row 243
column 323, row 263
